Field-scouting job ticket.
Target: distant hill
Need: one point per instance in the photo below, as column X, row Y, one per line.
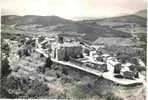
column 124, row 19
column 10, row 19
column 121, row 23
column 142, row 13
column 54, row 23
column 31, row 19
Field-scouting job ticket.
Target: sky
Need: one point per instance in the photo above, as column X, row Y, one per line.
column 72, row 8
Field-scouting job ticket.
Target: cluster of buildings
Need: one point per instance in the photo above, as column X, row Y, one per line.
column 81, row 54
column 72, row 50
column 69, row 48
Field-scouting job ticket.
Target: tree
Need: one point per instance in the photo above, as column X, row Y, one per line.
column 87, row 51
column 5, row 48
column 48, row 62
column 5, row 68
column 25, row 88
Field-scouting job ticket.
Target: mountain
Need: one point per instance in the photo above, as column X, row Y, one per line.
column 31, row 19
column 138, row 18
column 54, row 23
column 124, row 19
column 119, row 27
column 142, row 13
column 9, row 19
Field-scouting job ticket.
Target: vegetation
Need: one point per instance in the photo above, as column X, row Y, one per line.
column 67, row 83
column 5, row 48
column 125, row 53
column 24, row 87
column 110, row 96
column 5, row 68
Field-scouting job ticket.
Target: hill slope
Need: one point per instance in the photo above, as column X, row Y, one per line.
column 142, row 13
column 31, row 19
column 92, row 31
column 54, row 23
column 124, row 19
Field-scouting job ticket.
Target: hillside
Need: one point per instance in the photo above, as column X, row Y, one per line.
column 123, row 19
column 115, row 41
column 92, row 31
column 142, row 13
column 108, row 27
column 32, row 19
column 133, row 24
column 137, row 18
column 54, row 23
column 10, row 19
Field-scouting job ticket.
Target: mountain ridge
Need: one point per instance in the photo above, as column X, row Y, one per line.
column 92, row 28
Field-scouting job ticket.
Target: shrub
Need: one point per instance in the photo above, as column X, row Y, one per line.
column 48, row 62
column 5, row 68
column 5, row 48
column 25, row 88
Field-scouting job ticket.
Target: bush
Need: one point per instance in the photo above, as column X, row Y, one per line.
column 48, row 62
column 5, row 48
column 5, row 68
column 25, row 88
column 87, row 51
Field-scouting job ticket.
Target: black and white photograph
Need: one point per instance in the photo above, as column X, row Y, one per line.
column 73, row 49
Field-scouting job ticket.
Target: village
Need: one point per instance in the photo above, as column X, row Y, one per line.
column 69, row 50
